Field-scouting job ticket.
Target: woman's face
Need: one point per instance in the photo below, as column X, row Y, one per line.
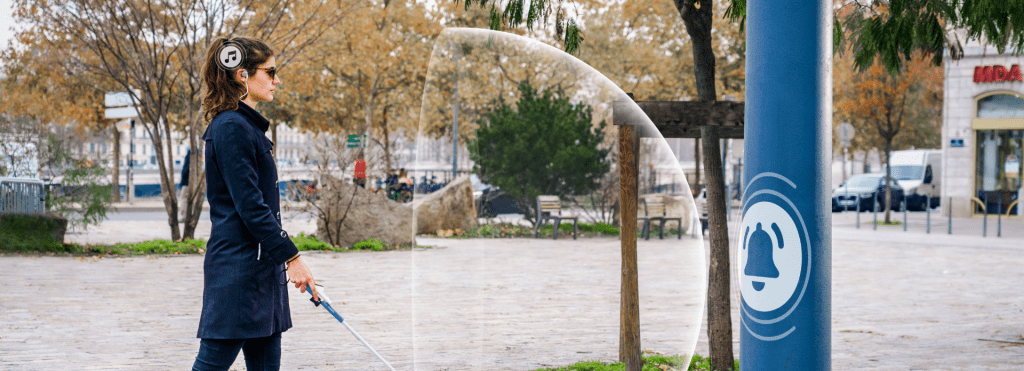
column 261, row 85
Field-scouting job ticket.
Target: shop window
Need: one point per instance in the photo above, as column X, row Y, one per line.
column 1000, row 106
column 998, row 170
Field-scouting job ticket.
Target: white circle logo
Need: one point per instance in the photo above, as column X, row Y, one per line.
column 230, row 56
column 769, row 258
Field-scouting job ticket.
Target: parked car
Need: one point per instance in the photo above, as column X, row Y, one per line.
column 494, row 201
column 870, row 190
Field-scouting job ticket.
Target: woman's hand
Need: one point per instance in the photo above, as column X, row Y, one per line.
column 299, row 273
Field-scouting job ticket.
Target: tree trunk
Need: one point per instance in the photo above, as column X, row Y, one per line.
column 387, row 142
column 696, row 164
column 698, row 26
column 166, row 175
column 116, row 196
column 196, row 192
column 719, row 312
column 629, row 311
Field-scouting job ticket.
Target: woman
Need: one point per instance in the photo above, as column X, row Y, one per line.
column 249, row 258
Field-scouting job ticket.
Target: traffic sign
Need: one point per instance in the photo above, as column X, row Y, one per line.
column 845, row 132
column 121, row 113
column 121, row 99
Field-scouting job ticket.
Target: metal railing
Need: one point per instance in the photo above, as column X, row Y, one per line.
column 22, row 196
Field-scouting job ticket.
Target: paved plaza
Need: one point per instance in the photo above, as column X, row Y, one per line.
column 900, row 301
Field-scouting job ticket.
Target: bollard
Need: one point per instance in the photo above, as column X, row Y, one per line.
column 984, row 224
column 858, row 211
column 874, row 208
column 904, row 214
column 999, row 219
column 984, row 218
column 950, row 223
column 928, row 215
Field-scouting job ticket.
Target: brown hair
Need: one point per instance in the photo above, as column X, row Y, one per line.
column 221, row 91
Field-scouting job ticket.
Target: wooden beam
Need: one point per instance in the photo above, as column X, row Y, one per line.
column 629, row 311
column 683, row 119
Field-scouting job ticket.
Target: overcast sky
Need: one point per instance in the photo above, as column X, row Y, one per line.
column 6, row 22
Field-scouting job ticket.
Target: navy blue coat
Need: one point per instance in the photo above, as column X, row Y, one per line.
column 245, row 292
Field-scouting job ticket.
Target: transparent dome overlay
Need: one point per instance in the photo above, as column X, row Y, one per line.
column 525, row 303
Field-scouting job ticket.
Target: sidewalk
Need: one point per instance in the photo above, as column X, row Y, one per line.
column 900, row 300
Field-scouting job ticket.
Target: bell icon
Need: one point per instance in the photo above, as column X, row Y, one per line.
column 759, row 258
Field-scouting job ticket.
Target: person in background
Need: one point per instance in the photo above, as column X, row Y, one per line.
column 183, row 193
column 360, row 175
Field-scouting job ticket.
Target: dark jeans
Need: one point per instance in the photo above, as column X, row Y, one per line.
column 260, row 353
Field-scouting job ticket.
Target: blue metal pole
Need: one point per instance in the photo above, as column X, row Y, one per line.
column 786, row 257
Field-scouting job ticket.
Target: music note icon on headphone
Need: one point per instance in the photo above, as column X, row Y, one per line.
column 233, row 55
column 230, row 56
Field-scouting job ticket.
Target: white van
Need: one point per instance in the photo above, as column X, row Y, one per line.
column 919, row 172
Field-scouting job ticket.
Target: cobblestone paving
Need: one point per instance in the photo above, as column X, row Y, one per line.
column 900, row 301
column 461, row 305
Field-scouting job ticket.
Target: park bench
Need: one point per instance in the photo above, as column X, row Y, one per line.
column 550, row 208
column 654, row 209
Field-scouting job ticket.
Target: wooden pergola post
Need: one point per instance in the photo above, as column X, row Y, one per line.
column 672, row 120
column 629, row 311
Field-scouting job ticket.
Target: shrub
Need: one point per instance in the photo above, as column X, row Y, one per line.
column 23, row 233
column 310, row 243
column 369, row 244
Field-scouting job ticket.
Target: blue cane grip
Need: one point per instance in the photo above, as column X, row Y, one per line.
column 327, row 305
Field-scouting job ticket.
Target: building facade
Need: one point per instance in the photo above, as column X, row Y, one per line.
column 983, row 127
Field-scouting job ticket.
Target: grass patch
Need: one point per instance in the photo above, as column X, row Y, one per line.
column 890, row 223
column 371, row 244
column 509, row 230
column 306, row 242
column 154, row 247
column 303, row 242
column 652, row 362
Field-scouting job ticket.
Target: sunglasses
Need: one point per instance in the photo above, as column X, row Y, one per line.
column 271, row 71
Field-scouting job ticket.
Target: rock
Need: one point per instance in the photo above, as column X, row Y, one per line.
column 678, row 205
column 451, row 207
column 370, row 215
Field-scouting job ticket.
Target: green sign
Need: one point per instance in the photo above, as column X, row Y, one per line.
column 354, row 141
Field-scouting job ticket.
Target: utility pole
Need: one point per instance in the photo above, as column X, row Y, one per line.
column 455, row 130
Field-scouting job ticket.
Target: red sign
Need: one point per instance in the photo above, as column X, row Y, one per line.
column 997, row 73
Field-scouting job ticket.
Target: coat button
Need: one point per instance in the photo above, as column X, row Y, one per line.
column 284, row 234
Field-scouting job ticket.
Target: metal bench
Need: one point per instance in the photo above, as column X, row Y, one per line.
column 550, row 208
column 654, row 209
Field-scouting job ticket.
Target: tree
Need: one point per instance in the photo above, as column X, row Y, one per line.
column 158, row 47
column 364, row 72
column 889, row 106
column 544, row 146
column 697, row 18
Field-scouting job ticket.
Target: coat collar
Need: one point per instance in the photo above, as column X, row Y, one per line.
column 255, row 118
